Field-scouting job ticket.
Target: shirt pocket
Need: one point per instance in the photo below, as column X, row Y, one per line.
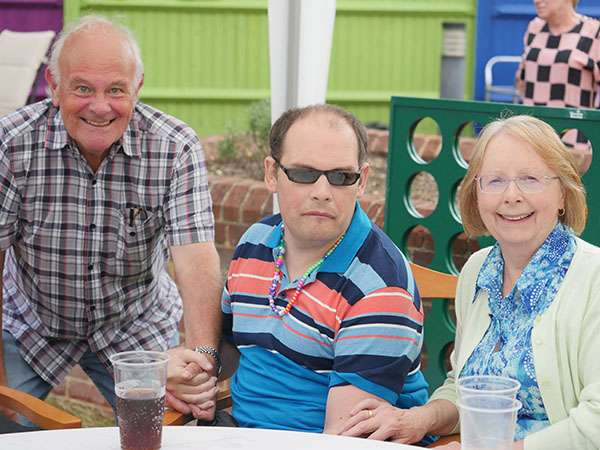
column 139, row 227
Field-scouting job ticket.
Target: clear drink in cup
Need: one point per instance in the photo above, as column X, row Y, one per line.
column 487, row 422
column 140, row 384
column 487, row 385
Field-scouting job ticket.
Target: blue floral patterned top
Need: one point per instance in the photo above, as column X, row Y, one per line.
column 506, row 346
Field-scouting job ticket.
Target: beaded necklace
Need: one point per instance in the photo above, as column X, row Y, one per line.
column 277, row 274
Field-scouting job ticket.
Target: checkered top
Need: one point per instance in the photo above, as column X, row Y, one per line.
column 86, row 251
column 561, row 69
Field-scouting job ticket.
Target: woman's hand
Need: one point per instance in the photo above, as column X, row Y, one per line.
column 379, row 420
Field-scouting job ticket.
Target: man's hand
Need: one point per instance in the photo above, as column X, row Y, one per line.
column 190, row 387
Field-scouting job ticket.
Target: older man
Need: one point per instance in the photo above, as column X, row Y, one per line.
column 98, row 190
column 320, row 307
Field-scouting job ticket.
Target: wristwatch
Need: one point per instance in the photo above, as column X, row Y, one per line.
column 212, row 352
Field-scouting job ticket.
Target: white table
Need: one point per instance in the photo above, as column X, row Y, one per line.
column 197, row 438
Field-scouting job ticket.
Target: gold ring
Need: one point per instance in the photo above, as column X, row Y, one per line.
column 370, row 413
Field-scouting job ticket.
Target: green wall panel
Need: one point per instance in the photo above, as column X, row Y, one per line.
column 207, row 60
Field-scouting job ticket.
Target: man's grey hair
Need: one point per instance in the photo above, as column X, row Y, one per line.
column 87, row 23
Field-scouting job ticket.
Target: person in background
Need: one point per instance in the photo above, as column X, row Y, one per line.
column 320, row 307
column 98, row 191
column 528, row 307
column 560, row 66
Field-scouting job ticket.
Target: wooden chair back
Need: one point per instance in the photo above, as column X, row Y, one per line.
column 438, row 328
column 39, row 412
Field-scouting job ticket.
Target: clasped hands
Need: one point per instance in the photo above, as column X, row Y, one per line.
column 191, row 383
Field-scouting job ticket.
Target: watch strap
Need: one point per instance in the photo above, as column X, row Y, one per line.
column 212, row 352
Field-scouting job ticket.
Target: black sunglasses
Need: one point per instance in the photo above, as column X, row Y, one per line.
column 310, row 176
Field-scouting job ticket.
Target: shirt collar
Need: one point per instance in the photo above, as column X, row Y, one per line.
column 131, row 137
column 58, row 137
column 344, row 254
column 553, row 254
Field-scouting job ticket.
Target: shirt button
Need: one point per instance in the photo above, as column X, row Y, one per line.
column 94, row 182
column 93, row 227
column 545, row 382
column 132, row 233
column 539, row 341
column 91, row 267
column 92, row 308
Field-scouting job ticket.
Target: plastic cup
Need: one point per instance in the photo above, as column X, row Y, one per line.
column 487, row 422
column 140, row 384
column 487, row 385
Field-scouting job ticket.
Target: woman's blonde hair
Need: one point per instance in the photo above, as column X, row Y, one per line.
column 541, row 138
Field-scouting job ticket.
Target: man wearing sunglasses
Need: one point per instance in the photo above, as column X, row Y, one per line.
column 320, row 308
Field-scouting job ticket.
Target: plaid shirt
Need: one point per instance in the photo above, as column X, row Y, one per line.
column 86, row 252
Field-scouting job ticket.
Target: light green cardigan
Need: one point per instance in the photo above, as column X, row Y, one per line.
column 566, row 350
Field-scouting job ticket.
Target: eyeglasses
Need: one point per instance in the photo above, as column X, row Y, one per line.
column 310, row 176
column 528, row 183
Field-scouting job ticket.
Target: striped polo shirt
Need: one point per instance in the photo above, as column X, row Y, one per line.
column 358, row 320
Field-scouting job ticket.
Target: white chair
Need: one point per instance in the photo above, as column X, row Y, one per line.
column 489, row 81
column 22, row 55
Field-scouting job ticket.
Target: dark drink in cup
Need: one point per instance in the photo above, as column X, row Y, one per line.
column 140, row 412
column 140, row 386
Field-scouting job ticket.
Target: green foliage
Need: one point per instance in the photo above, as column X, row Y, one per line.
column 251, row 143
column 259, row 121
column 229, row 146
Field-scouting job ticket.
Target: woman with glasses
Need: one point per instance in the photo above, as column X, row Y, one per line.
column 528, row 307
